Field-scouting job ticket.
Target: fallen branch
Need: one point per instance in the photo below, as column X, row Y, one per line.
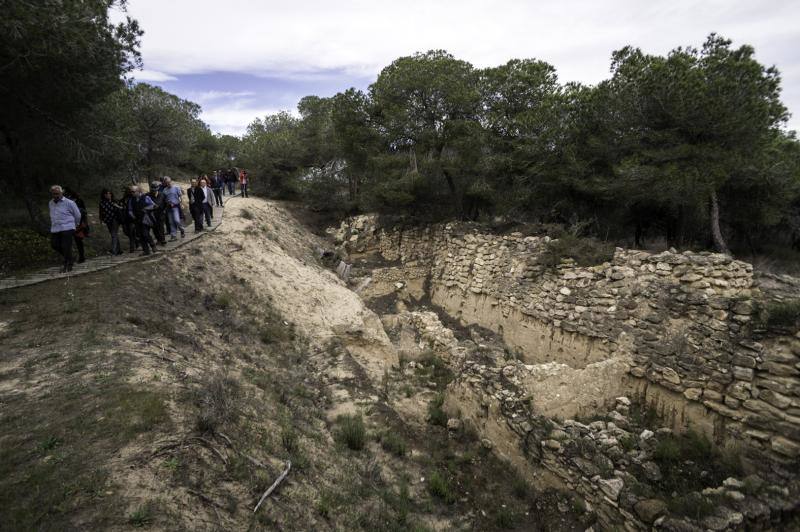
column 243, row 455
column 274, row 485
column 167, row 447
column 211, row 447
column 224, row 437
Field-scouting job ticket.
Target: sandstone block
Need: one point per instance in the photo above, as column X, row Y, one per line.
column 723, row 410
column 783, row 370
column 671, row 376
column 780, row 356
column 776, row 399
column 785, row 446
column 743, row 307
column 611, row 487
column 712, row 395
column 732, row 402
column 743, row 374
column 552, row 444
column 744, row 361
column 649, row 510
column 739, row 390
column 693, row 394
column 637, row 372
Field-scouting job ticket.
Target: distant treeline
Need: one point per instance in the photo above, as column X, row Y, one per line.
column 69, row 117
column 687, row 147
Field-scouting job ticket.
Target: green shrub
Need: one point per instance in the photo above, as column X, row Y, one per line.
column 351, row 431
column 289, row 439
column 223, row 300
column 274, row 332
column 521, row 488
column 628, row 442
column 142, row 516
column 692, row 505
column 780, row 315
column 50, row 443
column 392, row 443
column 689, row 462
column 327, row 503
column 439, row 487
column 433, row 368
column 22, row 248
column 584, row 251
column 437, row 416
column 505, row 519
column 218, row 400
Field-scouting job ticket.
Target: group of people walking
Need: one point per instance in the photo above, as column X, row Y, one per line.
column 146, row 218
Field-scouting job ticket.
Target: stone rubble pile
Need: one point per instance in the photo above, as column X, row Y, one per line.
column 610, row 462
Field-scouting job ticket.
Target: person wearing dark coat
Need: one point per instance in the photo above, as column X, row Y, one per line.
column 195, row 194
column 111, row 215
column 128, row 221
column 207, row 200
column 82, row 231
column 158, row 213
column 231, row 179
column 216, row 185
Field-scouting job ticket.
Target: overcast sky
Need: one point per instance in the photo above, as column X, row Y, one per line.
column 242, row 59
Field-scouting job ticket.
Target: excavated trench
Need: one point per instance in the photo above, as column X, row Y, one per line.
column 561, row 405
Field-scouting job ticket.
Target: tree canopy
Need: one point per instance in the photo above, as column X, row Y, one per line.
column 689, row 147
column 69, row 115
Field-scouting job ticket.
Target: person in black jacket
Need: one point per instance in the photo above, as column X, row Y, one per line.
column 158, row 213
column 231, row 179
column 196, row 196
column 111, row 215
column 82, row 231
column 128, row 221
column 216, row 185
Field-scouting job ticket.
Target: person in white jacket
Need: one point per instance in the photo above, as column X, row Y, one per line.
column 64, row 218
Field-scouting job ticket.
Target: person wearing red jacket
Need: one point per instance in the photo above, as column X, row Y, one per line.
column 243, row 182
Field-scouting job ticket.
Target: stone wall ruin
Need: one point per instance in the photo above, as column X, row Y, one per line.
column 674, row 328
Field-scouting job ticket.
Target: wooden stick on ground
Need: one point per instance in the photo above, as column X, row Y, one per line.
column 274, row 485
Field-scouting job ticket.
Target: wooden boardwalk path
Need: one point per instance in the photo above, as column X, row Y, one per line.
column 104, row 262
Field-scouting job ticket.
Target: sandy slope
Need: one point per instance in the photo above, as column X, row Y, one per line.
column 277, row 258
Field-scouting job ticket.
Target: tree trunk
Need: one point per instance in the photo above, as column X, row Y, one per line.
column 27, row 191
column 451, row 185
column 716, row 232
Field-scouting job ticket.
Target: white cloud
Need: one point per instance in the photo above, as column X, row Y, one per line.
column 232, row 117
column 210, row 96
column 151, row 75
column 358, row 37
